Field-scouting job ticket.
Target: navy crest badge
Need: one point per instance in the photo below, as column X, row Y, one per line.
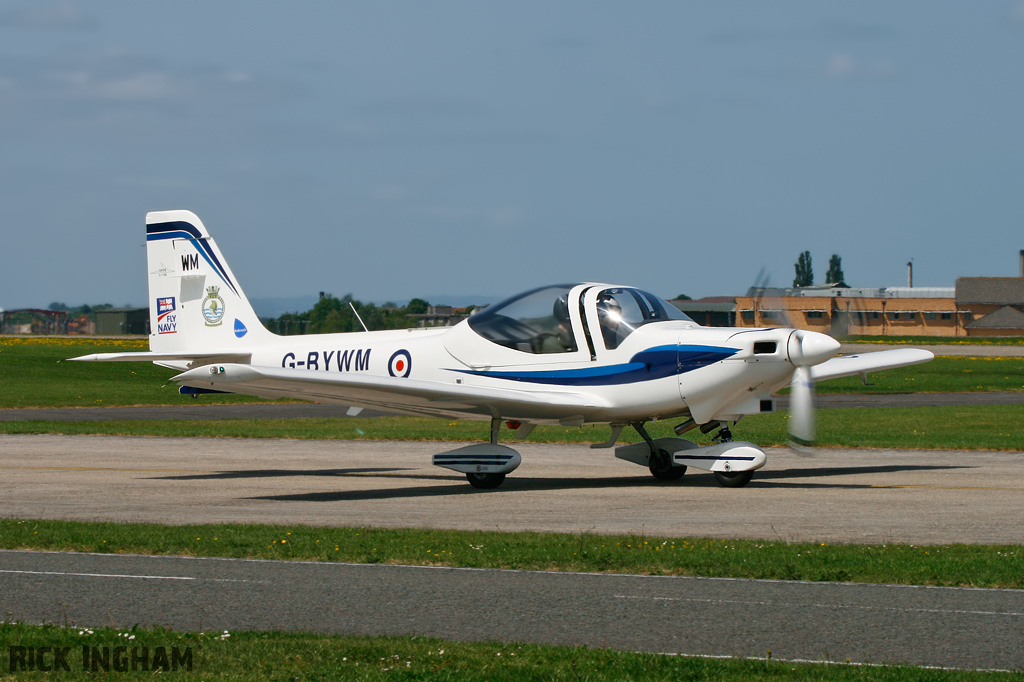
column 213, row 307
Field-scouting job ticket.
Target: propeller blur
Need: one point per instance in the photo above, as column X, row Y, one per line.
column 570, row 354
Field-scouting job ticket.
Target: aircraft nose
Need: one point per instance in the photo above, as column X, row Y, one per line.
column 811, row 348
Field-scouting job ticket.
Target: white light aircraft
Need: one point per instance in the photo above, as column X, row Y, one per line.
column 569, row 354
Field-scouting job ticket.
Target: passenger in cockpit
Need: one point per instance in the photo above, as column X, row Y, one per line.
column 564, row 333
column 561, row 340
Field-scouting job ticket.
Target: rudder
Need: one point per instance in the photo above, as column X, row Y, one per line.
column 195, row 302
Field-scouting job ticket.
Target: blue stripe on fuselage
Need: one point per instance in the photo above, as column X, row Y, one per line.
column 654, row 363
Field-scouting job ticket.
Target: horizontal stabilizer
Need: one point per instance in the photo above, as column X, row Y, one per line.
column 851, row 365
column 148, row 356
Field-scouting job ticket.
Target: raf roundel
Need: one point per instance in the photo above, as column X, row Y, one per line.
column 400, row 364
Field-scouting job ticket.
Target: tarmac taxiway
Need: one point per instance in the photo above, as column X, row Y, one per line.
column 947, row 627
column 838, row 495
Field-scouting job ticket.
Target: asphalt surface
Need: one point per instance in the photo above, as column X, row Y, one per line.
column 947, row 627
column 297, row 410
column 860, row 496
column 837, row 496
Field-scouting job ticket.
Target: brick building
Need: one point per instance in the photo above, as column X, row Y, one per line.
column 843, row 311
column 996, row 302
column 976, row 306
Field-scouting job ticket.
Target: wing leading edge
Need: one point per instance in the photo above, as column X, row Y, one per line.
column 397, row 394
column 850, row 365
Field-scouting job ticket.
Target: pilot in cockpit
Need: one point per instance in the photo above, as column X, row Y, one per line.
column 609, row 313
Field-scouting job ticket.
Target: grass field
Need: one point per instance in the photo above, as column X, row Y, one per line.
column 949, row 565
column 34, row 372
column 993, row 427
column 302, row 656
column 926, row 341
column 941, row 375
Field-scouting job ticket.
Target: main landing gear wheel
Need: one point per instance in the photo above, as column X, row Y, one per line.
column 485, row 481
column 734, row 479
column 662, row 468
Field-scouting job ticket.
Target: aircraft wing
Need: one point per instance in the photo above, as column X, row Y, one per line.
column 849, row 365
column 396, row 394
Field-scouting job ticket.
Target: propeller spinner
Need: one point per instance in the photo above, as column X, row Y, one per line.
column 806, row 349
column 810, row 348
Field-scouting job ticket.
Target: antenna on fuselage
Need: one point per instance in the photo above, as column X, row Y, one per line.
column 357, row 316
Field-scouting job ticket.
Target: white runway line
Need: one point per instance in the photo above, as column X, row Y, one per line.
column 140, row 577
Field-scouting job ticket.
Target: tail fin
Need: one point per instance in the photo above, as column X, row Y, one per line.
column 195, row 302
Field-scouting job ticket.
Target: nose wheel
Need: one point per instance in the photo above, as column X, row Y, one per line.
column 485, row 481
column 736, row 479
column 730, row 479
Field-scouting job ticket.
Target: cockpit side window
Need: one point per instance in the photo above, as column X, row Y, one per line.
column 534, row 322
column 619, row 315
column 662, row 310
column 620, row 311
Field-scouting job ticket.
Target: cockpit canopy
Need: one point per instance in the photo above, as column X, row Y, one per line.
column 622, row 310
column 534, row 322
column 539, row 321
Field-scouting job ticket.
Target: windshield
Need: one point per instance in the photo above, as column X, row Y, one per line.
column 620, row 311
column 534, row 322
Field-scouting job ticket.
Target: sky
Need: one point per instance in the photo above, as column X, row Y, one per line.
column 411, row 149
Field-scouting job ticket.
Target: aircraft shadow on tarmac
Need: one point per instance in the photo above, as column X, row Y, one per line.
column 275, row 473
column 764, row 476
column 764, row 479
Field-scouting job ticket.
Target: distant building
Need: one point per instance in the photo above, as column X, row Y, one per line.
column 844, row 311
column 118, row 321
column 711, row 311
column 33, row 321
column 997, row 304
column 440, row 316
column 82, row 324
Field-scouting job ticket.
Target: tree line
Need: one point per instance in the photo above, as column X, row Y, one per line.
column 332, row 314
column 805, row 271
column 77, row 311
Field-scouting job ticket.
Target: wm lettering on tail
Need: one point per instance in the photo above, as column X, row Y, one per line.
column 190, row 261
